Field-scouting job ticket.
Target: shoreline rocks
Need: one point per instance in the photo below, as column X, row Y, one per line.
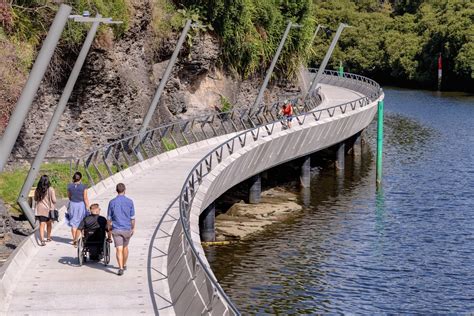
column 242, row 220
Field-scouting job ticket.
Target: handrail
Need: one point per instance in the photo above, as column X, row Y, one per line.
column 118, row 155
column 207, row 164
column 121, row 154
column 114, row 157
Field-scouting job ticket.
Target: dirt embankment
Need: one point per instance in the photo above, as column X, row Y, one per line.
column 243, row 220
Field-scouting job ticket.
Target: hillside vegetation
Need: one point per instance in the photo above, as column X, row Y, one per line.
column 393, row 41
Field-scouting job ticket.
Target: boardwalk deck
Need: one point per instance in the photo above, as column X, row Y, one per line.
column 53, row 284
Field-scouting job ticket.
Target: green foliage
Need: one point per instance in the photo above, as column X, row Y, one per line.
column 166, row 19
column 168, row 144
column 251, row 30
column 402, row 41
column 226, row 106
column 118, row 10
column 12, row 181
column 31, row 19
column 59, row 174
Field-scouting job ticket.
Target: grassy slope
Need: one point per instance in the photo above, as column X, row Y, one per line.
column 12, row 181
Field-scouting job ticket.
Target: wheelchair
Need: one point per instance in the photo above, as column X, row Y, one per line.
column 93, row 245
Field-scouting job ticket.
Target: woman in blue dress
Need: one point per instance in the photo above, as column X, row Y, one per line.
column 78, row 203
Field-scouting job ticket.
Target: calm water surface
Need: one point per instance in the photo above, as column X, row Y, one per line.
column 408, row 249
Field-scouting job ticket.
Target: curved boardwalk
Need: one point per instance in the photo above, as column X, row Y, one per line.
column 52, row 283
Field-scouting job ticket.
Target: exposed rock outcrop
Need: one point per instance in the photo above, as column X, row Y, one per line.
column 118, row 82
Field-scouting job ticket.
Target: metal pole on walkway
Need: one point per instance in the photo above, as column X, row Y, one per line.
column 323, row 65
column 164, row 79
column 272, row 65
column 31, row 87
column 379, row 143
column 35, row 166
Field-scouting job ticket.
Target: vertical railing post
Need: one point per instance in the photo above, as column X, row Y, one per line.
column 323, row 65
column 43, row 148
column 379, row 144
column 31, row 87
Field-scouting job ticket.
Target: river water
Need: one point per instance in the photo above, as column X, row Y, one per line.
column 407, row 249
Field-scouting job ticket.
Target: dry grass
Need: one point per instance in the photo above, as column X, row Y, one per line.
column 15, row 60
column 163, row 16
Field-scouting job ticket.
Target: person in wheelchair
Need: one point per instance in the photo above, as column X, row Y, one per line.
column 94, row 230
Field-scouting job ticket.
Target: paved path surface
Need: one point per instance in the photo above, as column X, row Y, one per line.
column 53, row 283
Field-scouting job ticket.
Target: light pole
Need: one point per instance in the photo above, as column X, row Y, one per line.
column 164, row 80
column 43, row 148
column 272, row 65
column 32, row 84
column 323, row 65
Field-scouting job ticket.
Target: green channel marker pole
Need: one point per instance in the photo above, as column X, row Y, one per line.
column 379, row 143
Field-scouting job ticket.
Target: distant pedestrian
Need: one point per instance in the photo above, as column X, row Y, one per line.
column 45, row 199
column 78, row 204
column 121, row 219
column 287, row 111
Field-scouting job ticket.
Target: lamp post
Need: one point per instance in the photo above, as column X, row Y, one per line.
column 272, row 65
column 164, row 80
column 31, row 87
column 323, row 65
column 43, row 148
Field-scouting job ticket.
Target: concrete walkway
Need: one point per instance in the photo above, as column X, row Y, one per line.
column 52, row 282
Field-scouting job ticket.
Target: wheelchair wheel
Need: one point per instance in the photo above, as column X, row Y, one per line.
column 80, row 252
column 106, row 252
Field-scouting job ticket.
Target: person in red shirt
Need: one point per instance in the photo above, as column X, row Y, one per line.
column 287, row 111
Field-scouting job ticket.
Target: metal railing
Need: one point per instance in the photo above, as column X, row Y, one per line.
column 217, row 155
column 114, row 157
column 256, row 122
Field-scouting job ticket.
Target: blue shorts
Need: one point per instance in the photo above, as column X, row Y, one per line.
column 289, row 118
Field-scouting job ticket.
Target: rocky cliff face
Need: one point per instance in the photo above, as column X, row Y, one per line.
column 117, row 85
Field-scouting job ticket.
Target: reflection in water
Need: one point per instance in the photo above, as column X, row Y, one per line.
column 406, row 249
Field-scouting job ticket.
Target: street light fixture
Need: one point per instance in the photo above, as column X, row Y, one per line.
column 274, row 61
column 322, row 67
column 43, row 148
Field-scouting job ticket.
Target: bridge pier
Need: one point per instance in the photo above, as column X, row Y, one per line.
column 207, row 221
column 340, row 155
column 357, row 146
column 305, row 176
column 255, row 189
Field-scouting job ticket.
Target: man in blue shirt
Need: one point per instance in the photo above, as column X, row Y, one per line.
column 121, row 219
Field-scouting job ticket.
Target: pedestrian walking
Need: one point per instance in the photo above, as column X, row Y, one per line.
column 121, row 220
column 287, row 111
column 78, row 204
column 45, row 199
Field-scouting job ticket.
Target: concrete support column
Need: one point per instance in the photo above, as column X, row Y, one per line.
column 357, row 146
column 305, row 176
column 207, row 221
column 340, row 155
column 255, row 189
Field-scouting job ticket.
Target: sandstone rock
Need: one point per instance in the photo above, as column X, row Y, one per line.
column 242, row 221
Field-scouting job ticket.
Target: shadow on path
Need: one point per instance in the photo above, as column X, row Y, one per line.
column 99, row 265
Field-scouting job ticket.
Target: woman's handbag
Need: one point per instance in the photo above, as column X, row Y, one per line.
column 54, row 215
